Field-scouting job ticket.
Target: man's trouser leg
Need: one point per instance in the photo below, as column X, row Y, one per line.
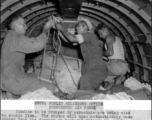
column 93, row 78
column 116, row 69
column 28, row 83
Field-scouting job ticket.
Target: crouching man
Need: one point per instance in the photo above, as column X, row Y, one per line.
column 114, row 51
column 15, row 46
column 94, row 70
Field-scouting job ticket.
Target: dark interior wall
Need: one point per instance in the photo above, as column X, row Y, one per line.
column 128, row 19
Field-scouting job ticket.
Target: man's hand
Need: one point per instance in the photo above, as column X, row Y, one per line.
column 58, row 26
column 48, row 25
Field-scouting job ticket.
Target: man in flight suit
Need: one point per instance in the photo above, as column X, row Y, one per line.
column 94, row 70
column 15, row 46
